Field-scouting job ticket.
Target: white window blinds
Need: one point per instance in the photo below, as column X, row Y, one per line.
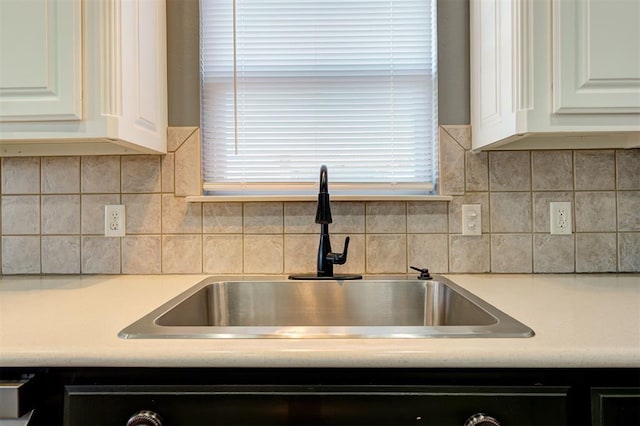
column 290, row 85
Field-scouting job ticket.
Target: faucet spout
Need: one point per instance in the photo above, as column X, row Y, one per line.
column 323, row 213
column 324, row 180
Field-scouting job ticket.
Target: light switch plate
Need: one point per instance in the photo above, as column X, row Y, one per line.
column 471, row 219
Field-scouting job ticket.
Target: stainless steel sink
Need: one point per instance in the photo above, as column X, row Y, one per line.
column 326, row 309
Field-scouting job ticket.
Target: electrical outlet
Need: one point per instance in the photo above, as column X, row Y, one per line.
column 560, row 217
column 471, row 219
column 114, row 220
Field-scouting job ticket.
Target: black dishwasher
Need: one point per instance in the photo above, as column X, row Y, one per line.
column 315, row 405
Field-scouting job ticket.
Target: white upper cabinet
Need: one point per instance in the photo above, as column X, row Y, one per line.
column 81, row 77
column 555, row 74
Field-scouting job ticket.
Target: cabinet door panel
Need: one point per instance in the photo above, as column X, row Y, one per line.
column 596, row 56
column 615, row 406
column 40, row 66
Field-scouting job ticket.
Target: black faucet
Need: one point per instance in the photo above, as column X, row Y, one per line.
column 326, row 258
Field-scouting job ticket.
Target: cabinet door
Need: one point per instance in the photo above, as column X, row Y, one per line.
column 40, row 63
column 596, row 56
column 615, row 406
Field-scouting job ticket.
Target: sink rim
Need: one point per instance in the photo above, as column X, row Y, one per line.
column 147, row 327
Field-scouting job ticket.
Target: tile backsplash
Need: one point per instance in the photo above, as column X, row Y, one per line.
column 52, row 218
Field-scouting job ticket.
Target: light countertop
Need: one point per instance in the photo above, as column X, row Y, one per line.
column 579, row 321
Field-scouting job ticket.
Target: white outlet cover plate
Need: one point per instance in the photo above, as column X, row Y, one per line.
column 560, row 218
column 114, row 220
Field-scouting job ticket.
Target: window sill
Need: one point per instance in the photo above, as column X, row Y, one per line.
column 313, row 197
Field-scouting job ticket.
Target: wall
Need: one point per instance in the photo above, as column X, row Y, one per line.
column 52, row 208
column 454, row 87
column 183, row 62
column 53, row 217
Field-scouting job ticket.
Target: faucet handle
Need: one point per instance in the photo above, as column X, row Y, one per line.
column 339, row 258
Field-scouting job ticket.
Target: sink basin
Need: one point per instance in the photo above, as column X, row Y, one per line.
column 326, row 309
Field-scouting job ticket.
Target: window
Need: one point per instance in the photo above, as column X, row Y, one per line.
column 289, row 85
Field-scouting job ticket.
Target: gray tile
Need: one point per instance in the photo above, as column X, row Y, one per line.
column 553, row 253
column 594, row 170
column 176, row 135
column 386, row 253
column 427, row 217
column 179, row 216
column 451, row 159
column 222, row 254
column 552, row 170
column 469, row 254
column 300, row 253
column 460, row 133
column 222, row 218
column 60, row 214
column 263, row 254
column 263, row 218
column 141, row 254
column 61, row 254
column 92, row 212
column 141, row 174
column 511, row 253
column 182, row 254
column 20, row 214
column 100, row 174
column 629, row 211
column 168, row 172
column 20, row 175
column 348, row 217
column 511, row 212
column 429, row 251
column 188, row 167
column 455, row 210
column 100, row 255
column 60, row 175
column 477, row 171
column 509, row 171
column 596, row 252
column 299, row 218
column 21, row 255
column 541, row 211
column 629, row 251
column 595, row 211
column 142, row 212
column 386, row 217
column 628, row 168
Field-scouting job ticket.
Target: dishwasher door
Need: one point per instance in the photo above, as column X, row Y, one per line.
column 313, row 405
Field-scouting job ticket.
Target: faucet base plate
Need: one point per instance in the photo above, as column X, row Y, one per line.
column 336, row 277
